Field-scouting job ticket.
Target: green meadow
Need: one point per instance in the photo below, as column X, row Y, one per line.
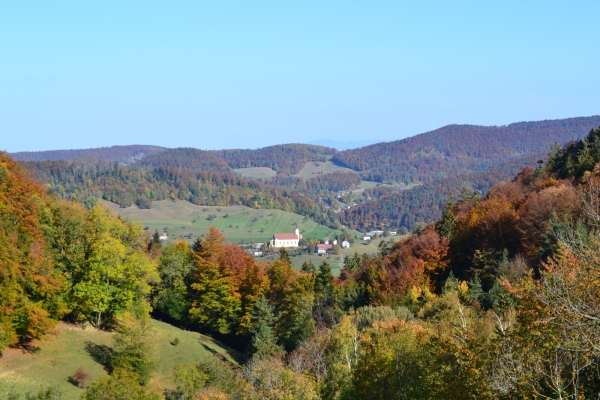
column 51, row 361
column 184, row 220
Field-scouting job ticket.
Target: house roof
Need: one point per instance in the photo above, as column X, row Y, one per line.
column 285, row 236
column 324, row 246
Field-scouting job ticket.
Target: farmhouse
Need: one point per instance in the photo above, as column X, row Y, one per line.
column 163, row 236
column 324, row 248
column 345, row 244
column 286, row 239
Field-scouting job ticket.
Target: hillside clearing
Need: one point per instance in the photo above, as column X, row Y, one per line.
column 53, row 360
column 255, row 172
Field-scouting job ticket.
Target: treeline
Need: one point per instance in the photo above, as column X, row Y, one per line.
column 185, row 157
column 87, row 182
column 335, row 181
column 286, row 159
column 457, row 149
column 60, row 261
column 120, row 154
column 423, row 204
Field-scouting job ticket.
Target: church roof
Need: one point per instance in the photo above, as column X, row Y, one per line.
column 285, row 236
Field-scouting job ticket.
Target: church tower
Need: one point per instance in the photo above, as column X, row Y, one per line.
column 297, row 232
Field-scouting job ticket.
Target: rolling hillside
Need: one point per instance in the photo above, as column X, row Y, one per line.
column 457, row 149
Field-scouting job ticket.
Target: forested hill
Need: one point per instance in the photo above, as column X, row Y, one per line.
column 186, row 157
column 425, row 203
column 456, row 149
column 285, row 158
column 122, row 154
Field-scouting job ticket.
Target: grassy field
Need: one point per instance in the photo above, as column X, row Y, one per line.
column 319, row 168
column 238, row 223
column 58, row 357
column 255, row 172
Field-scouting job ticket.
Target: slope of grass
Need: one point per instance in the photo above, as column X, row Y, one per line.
column 238, row 223
column 255, row 172
column 53, row 360
column 312, row 169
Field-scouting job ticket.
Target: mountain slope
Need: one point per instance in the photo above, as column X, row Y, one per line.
column 284, row 158
column 186, row 157
column 424, row 203
column 456, row 149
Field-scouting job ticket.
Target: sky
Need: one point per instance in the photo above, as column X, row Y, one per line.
column 247, row 74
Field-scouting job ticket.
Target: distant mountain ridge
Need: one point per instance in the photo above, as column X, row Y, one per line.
column 457, row 149
column 121, row 154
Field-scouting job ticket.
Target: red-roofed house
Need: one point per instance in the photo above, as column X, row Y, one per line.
column 324, row 248
column 285, row 239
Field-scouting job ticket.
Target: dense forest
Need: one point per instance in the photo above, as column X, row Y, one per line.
column 87, row 182
column 191, row 159
column 287, row 159
column 457, row 149
column 395, row 208
column 496, row 300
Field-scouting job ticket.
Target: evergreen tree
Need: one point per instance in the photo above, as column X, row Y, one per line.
column 134, row 344
column 476, row 290
column 284, row 255
column 264, row 342
column 323, row 280
column 448, row 222
column 309, row 267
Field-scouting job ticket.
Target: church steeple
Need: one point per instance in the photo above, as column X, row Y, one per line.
column 297, row 231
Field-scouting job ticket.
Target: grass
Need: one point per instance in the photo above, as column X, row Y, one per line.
column 361, row 247
column 58, row 357
column 312, row 169
column 255, row 172
column 238, row 223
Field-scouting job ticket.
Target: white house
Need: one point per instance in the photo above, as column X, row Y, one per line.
column 366, row 237
column 345, row 244
column 286, row 239
column 163, row 236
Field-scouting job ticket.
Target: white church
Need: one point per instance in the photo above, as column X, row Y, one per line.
column 286, row 239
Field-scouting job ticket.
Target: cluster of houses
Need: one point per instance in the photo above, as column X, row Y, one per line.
column 291, row 240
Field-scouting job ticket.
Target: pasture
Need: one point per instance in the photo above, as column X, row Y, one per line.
column 239, row 224
column 255, row 172
column 51, row 361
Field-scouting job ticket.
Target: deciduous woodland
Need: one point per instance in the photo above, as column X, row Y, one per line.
column 415, row 174
column 498, row 299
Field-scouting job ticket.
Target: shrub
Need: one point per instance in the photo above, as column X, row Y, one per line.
column 80, row 378
column 175, row 342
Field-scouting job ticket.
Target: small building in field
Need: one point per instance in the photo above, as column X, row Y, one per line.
column 163, row 236
column 286, row 239
column 366, row 237
column 345, row 244
column 324, row 248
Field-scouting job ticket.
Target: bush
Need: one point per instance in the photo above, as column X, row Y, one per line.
column 51, row 393
column 120, row 385
column 80, row 378
column 175, row 342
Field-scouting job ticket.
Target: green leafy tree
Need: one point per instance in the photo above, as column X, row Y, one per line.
column 121, row 385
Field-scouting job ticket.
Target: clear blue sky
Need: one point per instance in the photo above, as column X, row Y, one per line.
column 221, row 74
